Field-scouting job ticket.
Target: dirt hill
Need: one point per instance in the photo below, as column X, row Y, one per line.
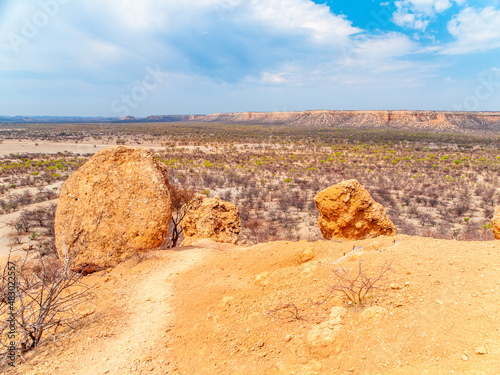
column 227, row 309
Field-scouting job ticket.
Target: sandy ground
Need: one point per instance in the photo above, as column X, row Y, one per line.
column 34, row 190
column 222, row 310
column 128, row 331
column 6, row 230
column 20, row 146
column 16, row 146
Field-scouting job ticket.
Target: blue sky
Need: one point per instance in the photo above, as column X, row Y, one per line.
column 129, row 57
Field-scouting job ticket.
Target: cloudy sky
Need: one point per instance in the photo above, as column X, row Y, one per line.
column 130, row 57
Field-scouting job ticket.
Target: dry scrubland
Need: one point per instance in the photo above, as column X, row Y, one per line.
column 431, row 184
column 279, row 308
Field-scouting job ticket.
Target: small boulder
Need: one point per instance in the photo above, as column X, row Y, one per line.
column 306, row 255
column 115, row 205
column 211, row 218
column 495, row 223
column 325, row 334
column 347, row 211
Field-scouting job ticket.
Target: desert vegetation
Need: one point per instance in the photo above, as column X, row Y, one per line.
column 44, row 292
column 431, row 184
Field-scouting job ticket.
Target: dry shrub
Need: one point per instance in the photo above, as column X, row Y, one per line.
column 357, row 284
column 45, row 293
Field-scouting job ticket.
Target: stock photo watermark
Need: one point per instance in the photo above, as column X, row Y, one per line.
column 487, row 85
column 380, row 20
column 225, row 6
column 139, row 93
column 11, row 299
column 31, row 26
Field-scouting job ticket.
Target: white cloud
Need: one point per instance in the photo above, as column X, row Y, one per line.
column 475, row 30
column 244, row 51
column 416, row 14
column 301, row 16
column 385, row 47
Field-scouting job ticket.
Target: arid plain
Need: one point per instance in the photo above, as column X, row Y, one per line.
column 254, row 307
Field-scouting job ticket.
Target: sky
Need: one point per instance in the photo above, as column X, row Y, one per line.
column 160, row 57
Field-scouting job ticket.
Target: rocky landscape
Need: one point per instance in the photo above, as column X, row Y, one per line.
column 364, row 300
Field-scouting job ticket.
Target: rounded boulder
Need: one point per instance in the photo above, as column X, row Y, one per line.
column 115, row 205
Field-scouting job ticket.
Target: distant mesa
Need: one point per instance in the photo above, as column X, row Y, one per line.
column 405, row 120
column 211, row 218
column 128, row 118
column 114, row 206
column 433, row 121
column 173, row 118
column 440, row 121
column 347, row 211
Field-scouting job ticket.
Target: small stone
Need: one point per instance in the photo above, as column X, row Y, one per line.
column 481, row 350
column 288, row 338
column 465, row 358
column 260, row 344
column 438, row 301
column 305, row 255
column 395, row 286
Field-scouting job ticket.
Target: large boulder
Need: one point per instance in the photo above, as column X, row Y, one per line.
column 495, row 223
column 115, row 205
column 211, row 218
column 347, row 211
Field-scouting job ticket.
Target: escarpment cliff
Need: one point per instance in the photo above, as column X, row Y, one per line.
column 416, row 120
column 454, row 122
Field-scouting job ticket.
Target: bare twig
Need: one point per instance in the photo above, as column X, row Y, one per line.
column 357, row 284
column 47, row 294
